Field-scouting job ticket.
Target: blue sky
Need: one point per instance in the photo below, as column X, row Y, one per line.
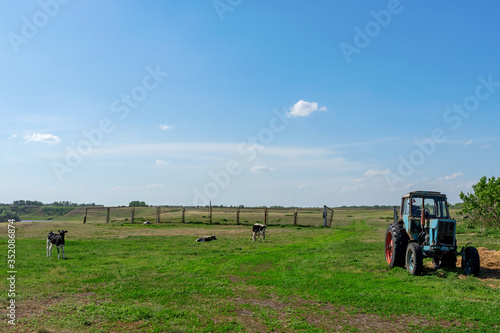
column 289, row 103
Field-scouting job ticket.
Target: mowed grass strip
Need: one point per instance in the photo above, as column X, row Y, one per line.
column 158, row 279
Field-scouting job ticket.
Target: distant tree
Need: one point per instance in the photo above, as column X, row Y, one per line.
column 458, row 205
column 8, row 215
column 55, row 203
column 483, row 206
column 27, row 203
column 88, row 205
column 137, row 204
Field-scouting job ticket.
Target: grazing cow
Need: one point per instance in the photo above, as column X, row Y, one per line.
column 259, row 230
column 58, row 241
column 206, row 239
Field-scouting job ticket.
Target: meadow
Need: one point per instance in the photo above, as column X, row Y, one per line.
column 123, row 277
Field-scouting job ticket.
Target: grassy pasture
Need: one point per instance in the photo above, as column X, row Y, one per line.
column 120, row 277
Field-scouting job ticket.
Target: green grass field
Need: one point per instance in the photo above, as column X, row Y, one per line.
column 120, row 277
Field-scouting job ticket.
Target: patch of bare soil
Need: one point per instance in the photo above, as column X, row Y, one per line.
column 346, row 320
column 30, row 313
column 254, row 309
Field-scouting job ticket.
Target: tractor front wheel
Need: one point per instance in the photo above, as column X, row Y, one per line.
column 471, row 261
column 395, row 245
column 414, row 259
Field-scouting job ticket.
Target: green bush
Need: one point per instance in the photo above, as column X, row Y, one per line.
column 9, row 215
column 482, row 207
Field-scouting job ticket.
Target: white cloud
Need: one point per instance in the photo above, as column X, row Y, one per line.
column 451, row 177
column 486, row 146
column 304, row 109
column 44, row 138
column 260, row 169
column 210, row 148
column 161, row 163
column 352, row 188
column 166, row 127
column 374, row 172
column 468, row 142
column 122, row 188
column 137, row 188
column 153, row 186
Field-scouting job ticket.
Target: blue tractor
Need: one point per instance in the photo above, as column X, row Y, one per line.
column 424, row 229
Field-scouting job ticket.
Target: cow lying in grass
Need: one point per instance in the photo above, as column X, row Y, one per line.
column 206, row 239
column 58, row 241
column 259, row 230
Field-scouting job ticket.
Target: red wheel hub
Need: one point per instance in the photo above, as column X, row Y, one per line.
column 389, row 246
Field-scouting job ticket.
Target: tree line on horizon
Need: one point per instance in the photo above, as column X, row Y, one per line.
column 138, row 203
column 55, row 203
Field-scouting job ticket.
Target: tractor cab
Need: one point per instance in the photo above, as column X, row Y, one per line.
column 426, row 219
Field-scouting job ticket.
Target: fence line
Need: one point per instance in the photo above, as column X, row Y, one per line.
column 210, row 214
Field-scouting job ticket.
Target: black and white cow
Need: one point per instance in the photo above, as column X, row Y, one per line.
column 206, row 239
column 259, row 230
column 58, row 241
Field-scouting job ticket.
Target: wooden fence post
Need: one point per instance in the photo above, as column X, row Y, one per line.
column 85, row 217
column 265, row 215
column 331, row 217
column 295, row 216
column 183, row 214
column 158, row 214
column 132, row 211
column 107, row 216
column 210, row 211
column 237, row 216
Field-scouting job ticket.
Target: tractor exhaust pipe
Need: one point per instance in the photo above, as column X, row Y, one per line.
column 422, row 221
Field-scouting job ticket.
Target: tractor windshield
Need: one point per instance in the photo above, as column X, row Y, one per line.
column 435, row 207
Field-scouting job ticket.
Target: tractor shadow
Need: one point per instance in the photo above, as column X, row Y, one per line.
column 490, row 273
column 485, row 272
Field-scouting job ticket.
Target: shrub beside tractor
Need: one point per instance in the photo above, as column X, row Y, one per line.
column 424, row 229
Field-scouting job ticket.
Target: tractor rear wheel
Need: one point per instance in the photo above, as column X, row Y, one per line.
column 471, row 261
column 396, row 240
column 414, row 259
